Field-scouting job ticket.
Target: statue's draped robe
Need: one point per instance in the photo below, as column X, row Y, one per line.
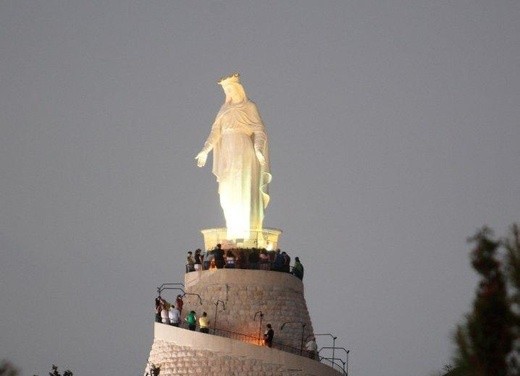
column 243, row 183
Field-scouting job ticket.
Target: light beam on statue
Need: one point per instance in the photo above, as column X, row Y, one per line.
column 240, row 161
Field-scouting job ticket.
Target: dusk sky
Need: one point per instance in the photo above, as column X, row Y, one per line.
column 394, row 131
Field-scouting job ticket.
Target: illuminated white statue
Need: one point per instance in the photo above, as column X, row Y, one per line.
column 240, row 160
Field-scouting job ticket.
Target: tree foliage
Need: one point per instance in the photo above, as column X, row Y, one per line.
column 486, row 339
column 7, row 369
column 55, row 372
column 512, row 246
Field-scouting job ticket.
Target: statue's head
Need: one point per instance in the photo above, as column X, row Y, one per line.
column 234, row 90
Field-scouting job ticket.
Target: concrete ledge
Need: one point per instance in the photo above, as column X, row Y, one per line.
column 228, row 347
column 252, row 277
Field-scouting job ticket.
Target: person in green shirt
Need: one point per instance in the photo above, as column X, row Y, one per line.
column 191, row 319
column 297, row 268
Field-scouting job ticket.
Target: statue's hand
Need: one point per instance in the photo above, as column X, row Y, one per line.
column 201, row 158
column 260, row 157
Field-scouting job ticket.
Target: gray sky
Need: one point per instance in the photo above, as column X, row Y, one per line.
column 394, row 135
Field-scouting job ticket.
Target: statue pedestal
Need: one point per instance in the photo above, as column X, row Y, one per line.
column 266, row 238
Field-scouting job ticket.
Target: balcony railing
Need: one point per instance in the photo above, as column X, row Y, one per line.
column 256, row 341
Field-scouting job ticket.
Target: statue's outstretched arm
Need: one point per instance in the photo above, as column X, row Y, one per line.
column 213, row 138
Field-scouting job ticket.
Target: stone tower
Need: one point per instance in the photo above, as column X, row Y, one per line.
column 239, row 303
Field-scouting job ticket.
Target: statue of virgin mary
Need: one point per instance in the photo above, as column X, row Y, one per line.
column 240, row 160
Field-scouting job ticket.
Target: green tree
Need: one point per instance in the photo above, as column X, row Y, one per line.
column 512, row 246
column 56, row 373
column 485, row 339
column 7, row 369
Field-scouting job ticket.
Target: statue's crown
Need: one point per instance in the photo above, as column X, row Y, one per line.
column 232, row 79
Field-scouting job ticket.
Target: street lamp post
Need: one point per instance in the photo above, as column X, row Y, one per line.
column 168, row 286
column 191, row 293
column 303, row 331
column 216, row 310
column 348, row 351
column 260, row 327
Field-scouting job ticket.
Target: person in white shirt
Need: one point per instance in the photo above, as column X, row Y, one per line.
column 312, row 348
column 164, row 315
column 174, row 315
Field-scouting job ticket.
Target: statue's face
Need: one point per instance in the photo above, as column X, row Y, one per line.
column 232, row 92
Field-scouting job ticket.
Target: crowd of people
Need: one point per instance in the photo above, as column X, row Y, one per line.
column 254, row 258
column 170, row 314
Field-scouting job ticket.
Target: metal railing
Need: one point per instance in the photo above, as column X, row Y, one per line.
column 253, row 340
column 291, row 349
column 243, row 262
column 251, row 266
column 344, row 364
column 258, row 341
column 337, row 364
column 170, row 286
column 236, row 336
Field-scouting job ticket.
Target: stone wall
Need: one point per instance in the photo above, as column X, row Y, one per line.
column 177, row 351
column 279, row 296
column 179, row 360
